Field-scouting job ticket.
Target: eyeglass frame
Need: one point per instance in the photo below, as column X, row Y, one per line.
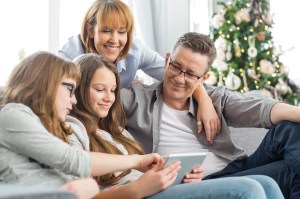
column 73, row 87
column 176, row 67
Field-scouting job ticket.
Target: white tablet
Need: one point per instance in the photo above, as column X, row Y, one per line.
column 189, row 161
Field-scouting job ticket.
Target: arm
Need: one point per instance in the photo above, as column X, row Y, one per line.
column 206, row 113
column 120, row 162
column 282, row 111
column 153, row 181
column 149, row 61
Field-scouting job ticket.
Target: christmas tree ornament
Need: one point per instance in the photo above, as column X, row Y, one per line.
column 241, row 15
column 246, row 88
column 228, row 53
column 229, row 5
column 237, row 50
column 260, row 36
column 266, row 67
column 251, row 73
column 212, row 80
column 232, row 82
column 218, row 20
column 252, row 51
column 281, row 87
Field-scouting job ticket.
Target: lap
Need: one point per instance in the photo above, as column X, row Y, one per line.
column 231, row 187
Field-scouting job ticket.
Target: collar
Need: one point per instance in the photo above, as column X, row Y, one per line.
column 121, row 65
column 192, row 106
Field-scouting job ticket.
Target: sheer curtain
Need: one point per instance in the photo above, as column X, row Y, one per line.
column 158, row 23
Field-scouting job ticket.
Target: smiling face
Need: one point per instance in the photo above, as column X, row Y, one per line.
column 175, row 89
column 109, row 42
column 102, row 91
column 65, row 98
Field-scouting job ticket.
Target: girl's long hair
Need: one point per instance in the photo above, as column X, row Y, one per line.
column 113, row 123
column 34, row 83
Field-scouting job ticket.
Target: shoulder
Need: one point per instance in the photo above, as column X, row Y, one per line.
column 72, row 48
column 140, row 88
column 17, row 114
column 79, row 137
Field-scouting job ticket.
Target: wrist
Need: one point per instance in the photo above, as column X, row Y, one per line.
column 135, row 190
column 136, row 159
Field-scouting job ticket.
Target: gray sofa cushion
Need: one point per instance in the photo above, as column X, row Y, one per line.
column 248, row 138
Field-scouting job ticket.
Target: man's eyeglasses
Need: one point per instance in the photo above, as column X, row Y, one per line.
column 176, row 71
column 71, row 88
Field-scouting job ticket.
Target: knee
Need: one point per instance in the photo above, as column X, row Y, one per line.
column 250, row 188
column 266, row 181
column 286, row 129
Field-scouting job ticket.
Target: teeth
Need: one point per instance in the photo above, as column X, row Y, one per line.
column 112, row 48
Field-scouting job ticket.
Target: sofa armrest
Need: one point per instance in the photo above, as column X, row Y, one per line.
column 11, row 191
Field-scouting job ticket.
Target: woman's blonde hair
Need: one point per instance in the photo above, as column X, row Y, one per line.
column 34, row 83
column 113, row 123
column 110, row 14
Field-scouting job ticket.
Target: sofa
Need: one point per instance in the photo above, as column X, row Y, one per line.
column 247, row 138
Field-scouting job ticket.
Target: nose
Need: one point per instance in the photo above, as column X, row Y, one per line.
column 180, row 78
column 73, row 100
column 114, row 37
column 108, row 96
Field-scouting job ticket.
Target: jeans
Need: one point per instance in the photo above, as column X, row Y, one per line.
column 248, row 187
column 278, row 156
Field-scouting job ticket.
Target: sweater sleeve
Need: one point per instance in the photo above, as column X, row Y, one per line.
column 149, row 61
column 23, row 133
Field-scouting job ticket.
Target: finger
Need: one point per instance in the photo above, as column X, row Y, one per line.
column 191, row 180
column 208, row 131
column 158, row 166
column 199, row 126
column 193, row 176
column 198, row 170
column 218, row 126
column 174, row 167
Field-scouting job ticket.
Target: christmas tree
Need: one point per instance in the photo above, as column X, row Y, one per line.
column 247, row 58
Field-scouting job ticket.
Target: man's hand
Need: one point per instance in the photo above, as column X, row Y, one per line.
column 195, row 175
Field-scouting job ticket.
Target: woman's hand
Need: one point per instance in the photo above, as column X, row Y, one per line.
column 195, row 176
column 157, row 179
column 83, row 188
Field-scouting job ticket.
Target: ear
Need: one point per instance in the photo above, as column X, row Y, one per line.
column 167, row 60
column 205, row 77
column 90, row 30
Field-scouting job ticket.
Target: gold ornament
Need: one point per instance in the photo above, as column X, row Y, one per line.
column 261, row 36
column 237, row 50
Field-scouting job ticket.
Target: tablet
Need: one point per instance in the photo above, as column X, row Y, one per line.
column 189, row 161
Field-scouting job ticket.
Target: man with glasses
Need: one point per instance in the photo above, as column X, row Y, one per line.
column 162, row 118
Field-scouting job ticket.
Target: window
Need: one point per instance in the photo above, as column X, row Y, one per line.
column 43, row 25
column 23, row 32
column 285, row 34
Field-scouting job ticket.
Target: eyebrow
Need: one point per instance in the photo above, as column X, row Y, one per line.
column 179, row 65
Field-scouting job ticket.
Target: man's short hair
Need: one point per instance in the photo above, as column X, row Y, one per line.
column 198, row 43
